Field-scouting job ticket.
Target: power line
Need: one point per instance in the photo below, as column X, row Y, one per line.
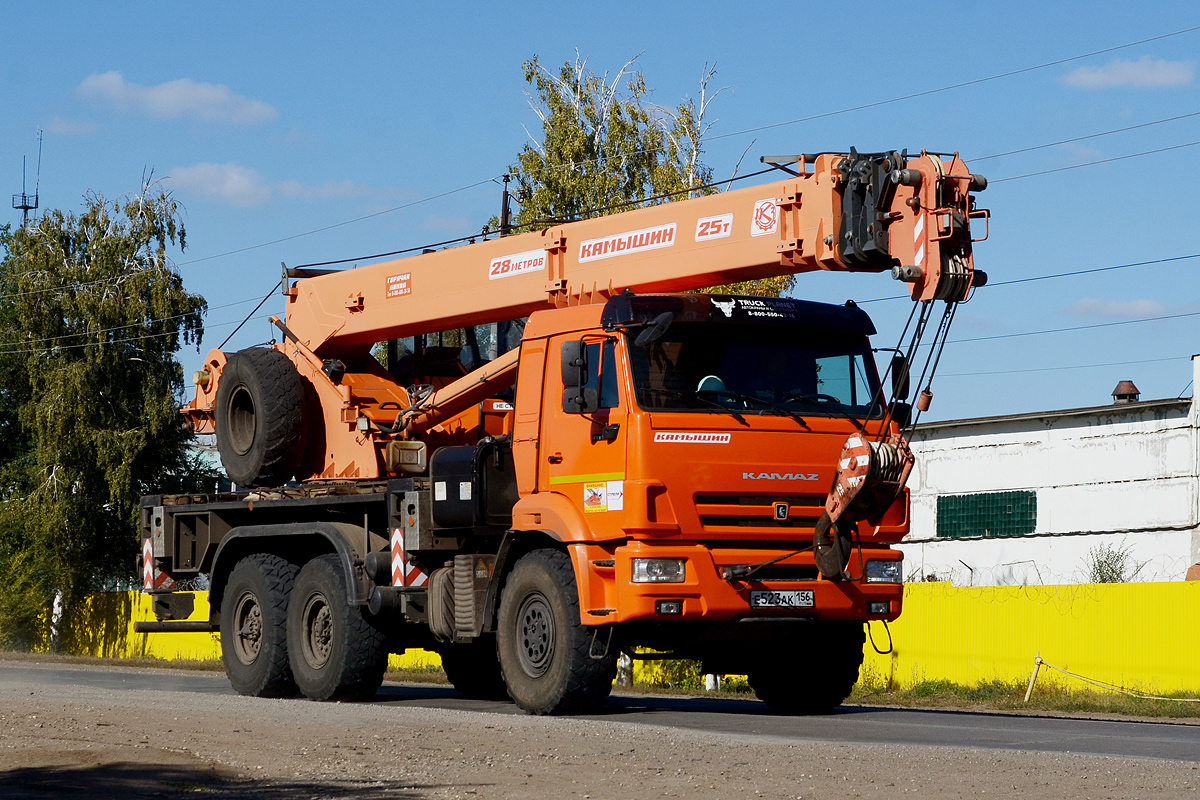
column 1076, row 328
column 959, row 85
column 1093, row 163
column 1055, row 275
column 116, row 342
column 576, row 164
column 122, row 327
column 1056, row 369
column 336, row 224
column 977, row 159
column 581, row 214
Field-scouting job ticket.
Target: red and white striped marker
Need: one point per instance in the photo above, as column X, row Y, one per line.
column 918, row 232
column 153, row 578
column 147, row 565
column 404, row 572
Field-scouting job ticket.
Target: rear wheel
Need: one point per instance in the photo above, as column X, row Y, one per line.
column 260, row 417
column 815, row 679
column 474, row 669
column 253, row 617
column 335, row 651
column 546, row 653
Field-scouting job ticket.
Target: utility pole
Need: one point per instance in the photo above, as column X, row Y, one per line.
column 505, row 219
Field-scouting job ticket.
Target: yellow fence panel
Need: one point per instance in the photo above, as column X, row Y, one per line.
column 1137, row 635
column 105, row 629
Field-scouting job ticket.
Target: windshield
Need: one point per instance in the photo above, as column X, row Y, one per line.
column 755, row 369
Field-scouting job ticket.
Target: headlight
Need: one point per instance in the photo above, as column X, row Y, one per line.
column 659, row 570
column 884, row 572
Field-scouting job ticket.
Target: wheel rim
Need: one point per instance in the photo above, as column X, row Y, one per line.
column 242, row 420
column 248, row 628
column 317, row 632
column 535, row 625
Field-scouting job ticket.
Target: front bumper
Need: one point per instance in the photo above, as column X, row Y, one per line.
column 608, row 594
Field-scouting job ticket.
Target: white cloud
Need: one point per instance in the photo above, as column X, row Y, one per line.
column 1118, row 309
column 242, row 186
column 1146, row 72
column 71, row 127
column 230, row 183
column 183, row 98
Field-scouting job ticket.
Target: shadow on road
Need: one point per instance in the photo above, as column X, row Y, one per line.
column 126, row 781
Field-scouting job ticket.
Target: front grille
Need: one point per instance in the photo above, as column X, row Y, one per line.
column 766, row 500
column 758, row 511
column 785, row 574
column 807, row 523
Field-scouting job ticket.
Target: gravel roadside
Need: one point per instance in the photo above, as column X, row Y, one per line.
column 102, row 743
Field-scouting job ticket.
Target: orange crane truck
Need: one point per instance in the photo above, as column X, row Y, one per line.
column 569, row 455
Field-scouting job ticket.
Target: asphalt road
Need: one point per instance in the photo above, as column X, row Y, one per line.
column 746, row 719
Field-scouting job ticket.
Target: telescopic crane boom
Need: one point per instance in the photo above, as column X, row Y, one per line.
column 838, row 212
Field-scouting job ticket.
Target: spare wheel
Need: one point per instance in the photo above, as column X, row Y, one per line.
column 260, row 417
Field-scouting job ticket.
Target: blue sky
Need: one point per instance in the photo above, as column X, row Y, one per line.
column 268, row 123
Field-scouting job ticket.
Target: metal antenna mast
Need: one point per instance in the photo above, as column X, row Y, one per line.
column 24, row 201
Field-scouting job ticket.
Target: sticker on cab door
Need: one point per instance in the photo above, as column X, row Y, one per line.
column 603, row 496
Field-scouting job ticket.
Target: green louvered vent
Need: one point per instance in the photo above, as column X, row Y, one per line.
column 989, row 515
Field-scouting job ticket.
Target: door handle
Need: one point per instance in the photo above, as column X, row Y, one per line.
column 555, row 459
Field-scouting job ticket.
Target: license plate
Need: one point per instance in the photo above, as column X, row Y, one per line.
column 794, row 599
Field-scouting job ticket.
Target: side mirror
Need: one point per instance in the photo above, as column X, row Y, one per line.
column 899, row 372
column 574, row 364
column 902, row 414
column 577, row 399
column 655, row 330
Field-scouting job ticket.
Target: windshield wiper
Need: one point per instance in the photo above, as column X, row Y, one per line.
column 752, row 399
column 685, row 397
column 822, row 401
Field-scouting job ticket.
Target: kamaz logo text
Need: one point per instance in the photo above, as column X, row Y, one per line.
column 780, row 476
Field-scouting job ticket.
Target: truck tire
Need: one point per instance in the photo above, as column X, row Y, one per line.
column 253, row 615
column 545, row 651
column 816, row 679
column 335, row 651
column 260, row 417
column 474, row 669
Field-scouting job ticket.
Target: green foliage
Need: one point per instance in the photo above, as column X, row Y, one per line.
column 1107, row 563
column 91, row 313
column 604, row 148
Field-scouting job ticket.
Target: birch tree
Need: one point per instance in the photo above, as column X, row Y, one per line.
column 603, row 147
column 92, row 311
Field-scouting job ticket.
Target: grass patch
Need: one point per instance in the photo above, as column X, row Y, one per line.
column 205, row 665
column 1048, row 696
column 429, row 674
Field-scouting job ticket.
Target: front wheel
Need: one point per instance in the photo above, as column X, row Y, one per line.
column 253, row 614
column 546, row 653
column 335, row 651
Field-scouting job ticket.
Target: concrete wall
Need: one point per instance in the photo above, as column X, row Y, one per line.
column 1125, row 477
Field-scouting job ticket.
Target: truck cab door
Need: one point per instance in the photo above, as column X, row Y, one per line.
column 584, row 428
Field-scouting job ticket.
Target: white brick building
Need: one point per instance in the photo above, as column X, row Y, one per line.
column 1037, row 498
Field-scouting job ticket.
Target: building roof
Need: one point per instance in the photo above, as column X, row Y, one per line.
column 1181, row 403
